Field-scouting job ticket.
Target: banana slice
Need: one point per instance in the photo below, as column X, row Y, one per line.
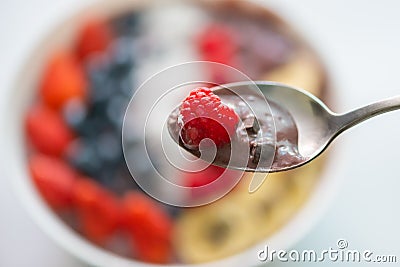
column 242, row 219
column 229, row 225
column 214, row 231
column 273, row 186
column 271, row 205
column 306, row 177
column 281, row 195
column 303, row 71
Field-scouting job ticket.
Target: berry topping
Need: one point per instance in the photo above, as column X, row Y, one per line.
column 63, row 80
column 149, row 227
column 54, row 179
column 97, row 209
column 217, row 43
column 47, row 131
column 203, row 115
column 95, row 36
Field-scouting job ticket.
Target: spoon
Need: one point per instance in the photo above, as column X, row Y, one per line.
column 301, row 128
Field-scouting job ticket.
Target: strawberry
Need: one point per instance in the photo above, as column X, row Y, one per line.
column 63, row 80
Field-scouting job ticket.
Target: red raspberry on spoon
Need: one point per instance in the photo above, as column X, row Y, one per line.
column 203, row 115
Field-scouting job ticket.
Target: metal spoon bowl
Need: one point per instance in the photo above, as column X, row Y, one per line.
column 317, row 126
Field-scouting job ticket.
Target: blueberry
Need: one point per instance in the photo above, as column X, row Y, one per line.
column 106, row 176
column 98, row 152
column 108, row 147
column 127, row 24
column 92, row 126
column 125, row 86
column 102, row 84
column 121, row 57
column 101, row 93
column 82, row 155
column 97, row 68
column 115, row 110
column 75, row 113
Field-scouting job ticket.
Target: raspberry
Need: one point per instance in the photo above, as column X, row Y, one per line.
column 211, row 174
column 149, row 228
column 47, row 131
column 94, row 37
column 203, row 177
column 54, row 179
column 153, row 251
column 203, row 115
column 217, row 43
column 98, row 210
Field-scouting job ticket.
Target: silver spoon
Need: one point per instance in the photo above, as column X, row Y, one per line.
column 308, row 124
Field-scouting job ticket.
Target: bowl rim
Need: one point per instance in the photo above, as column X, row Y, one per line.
column 16, row 170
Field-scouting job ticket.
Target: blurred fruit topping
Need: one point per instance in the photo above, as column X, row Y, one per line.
column 74, row 128
column 203, row 177
column 216, row 43
column 150, row 228
column 95, row 36
column 47, row 131
column 204, row 183
column 54, row 179
column 98, row 210
column 63, row 80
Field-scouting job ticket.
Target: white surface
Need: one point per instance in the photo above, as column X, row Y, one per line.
column 360, row 41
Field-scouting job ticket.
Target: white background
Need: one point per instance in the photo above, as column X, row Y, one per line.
column 359, row 40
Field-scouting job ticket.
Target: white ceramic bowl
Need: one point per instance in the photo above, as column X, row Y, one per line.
column 16, row 169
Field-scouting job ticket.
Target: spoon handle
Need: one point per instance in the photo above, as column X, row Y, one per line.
column 351, row 118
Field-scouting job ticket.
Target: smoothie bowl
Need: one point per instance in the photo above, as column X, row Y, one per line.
column 65, row 124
